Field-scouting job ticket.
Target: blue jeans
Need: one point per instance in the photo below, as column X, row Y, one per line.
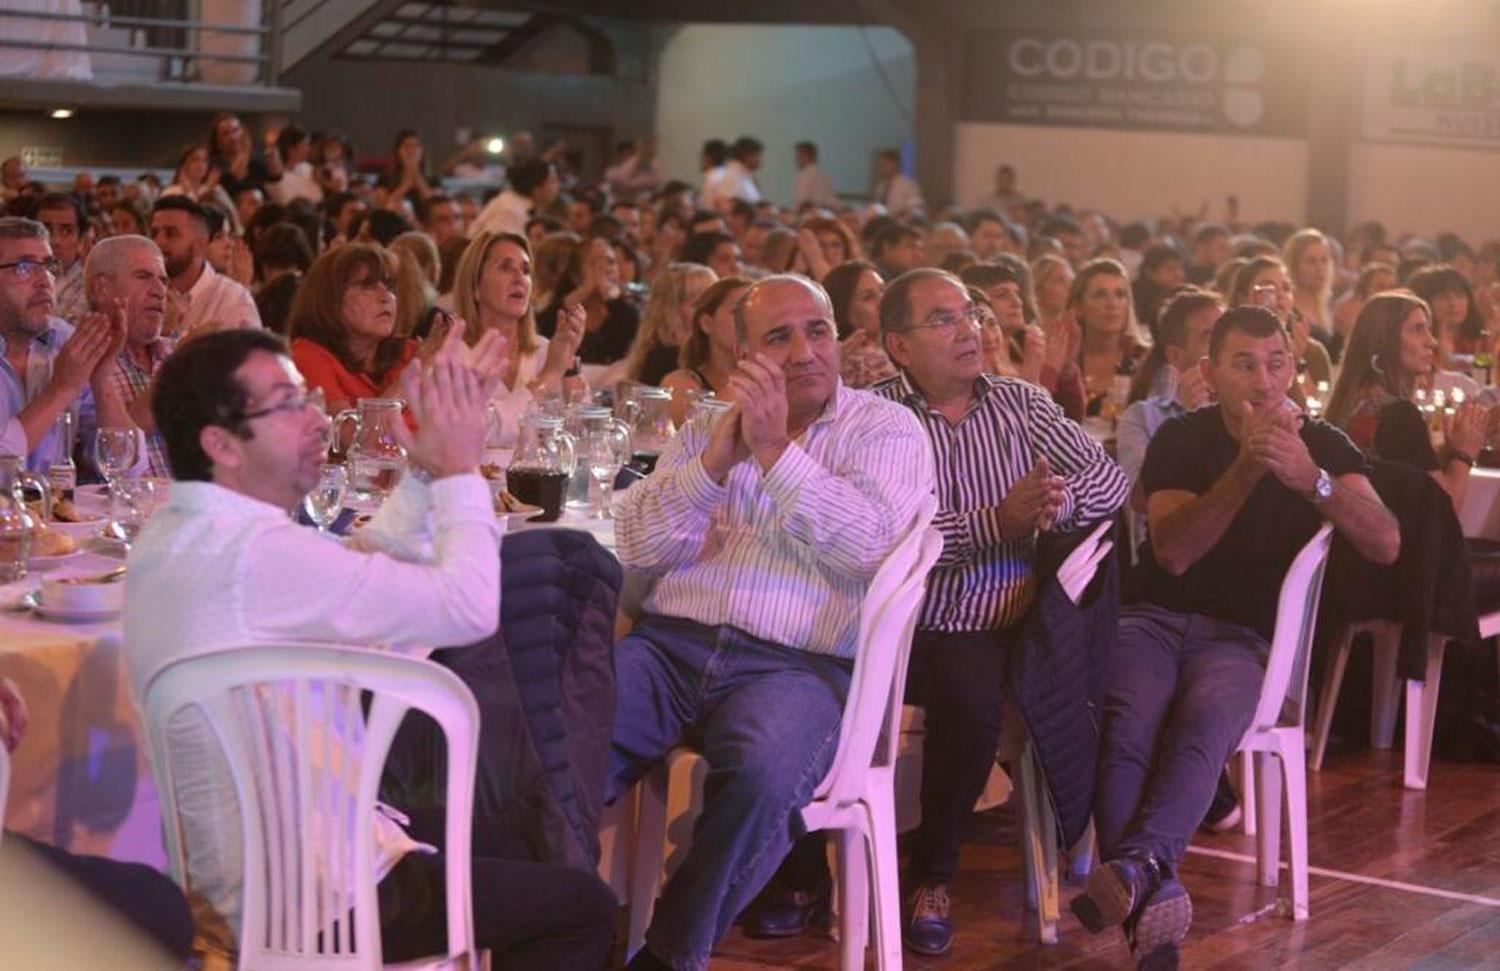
column 766, row 718
column 1182, row 691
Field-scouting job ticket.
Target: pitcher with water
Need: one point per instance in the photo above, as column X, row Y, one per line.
column 376, row 461
column 17, row 522
column 648, row 414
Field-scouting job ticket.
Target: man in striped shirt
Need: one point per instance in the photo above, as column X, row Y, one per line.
column 764, row 531
column 1009, row 465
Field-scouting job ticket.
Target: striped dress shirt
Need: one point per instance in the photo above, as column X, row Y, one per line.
column 981, row 581
column 786, row 554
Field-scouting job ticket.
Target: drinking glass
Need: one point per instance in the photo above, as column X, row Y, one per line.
column 114, row 452
column 601, row 456
column 326, row 500
column 132, row 501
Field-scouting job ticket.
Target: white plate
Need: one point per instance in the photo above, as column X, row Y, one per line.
column 45, row 562
column 522, row 514
column 34, row 601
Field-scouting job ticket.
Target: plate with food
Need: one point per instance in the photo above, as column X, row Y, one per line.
column 508, row 506
column 50, row 547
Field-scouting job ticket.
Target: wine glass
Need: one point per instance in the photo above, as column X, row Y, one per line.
column 114, row 452
column 602, row 458
column 324, row 503
column 132, row 501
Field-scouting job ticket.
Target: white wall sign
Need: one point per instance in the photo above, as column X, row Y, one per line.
column 1432, row 96
column 1155, row 82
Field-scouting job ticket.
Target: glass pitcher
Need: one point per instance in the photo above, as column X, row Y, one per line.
column 376, row 461
column 648, row 414
column 17, row 522
column 593, row 424
column 544, row 462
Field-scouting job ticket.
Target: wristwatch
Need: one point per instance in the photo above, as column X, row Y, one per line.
column 1322, row 488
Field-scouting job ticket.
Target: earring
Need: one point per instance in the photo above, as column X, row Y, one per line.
column 1375, row 364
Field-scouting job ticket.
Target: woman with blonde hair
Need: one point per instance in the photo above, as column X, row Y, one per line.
column 1264, row 282
column 1309, row 260
column 708, row 355
column 492, row 290
column 554, row 254
column 416, row 284
column 1111, row 344
column 665, row 323
column 343, row 325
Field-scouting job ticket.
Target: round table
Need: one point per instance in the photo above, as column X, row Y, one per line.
column 1480, row 515
column 79, row 778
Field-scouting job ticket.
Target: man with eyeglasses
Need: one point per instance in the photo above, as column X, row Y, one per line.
column 1009, row 467
column 67, row 228
column 208, row 300
column 47, row 366
column 223, row 566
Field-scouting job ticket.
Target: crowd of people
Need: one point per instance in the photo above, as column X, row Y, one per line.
column 1037, row 367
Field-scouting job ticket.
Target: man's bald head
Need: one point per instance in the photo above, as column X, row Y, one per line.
column 763, row 292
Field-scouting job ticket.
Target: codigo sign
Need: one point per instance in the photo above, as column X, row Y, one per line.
column 1148, row 82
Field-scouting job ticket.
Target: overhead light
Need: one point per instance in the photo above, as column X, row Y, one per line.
column 495, row 145
column 61, row 113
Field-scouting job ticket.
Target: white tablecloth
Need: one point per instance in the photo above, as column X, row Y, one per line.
column 79, row 778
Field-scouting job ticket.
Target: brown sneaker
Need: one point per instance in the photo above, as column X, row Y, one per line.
column 928, row 928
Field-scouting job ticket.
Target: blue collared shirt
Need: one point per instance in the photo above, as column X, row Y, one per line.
column 18, row 390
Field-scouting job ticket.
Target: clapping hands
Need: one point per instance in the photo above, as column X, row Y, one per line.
column 1033, row 503
column 756, row 425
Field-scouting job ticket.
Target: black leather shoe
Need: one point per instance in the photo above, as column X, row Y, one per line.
column 1115, row 891
column 788, row 913
column 928, row 928
column 1157, row 930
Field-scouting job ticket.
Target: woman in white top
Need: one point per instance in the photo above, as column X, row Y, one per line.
column 492, row 290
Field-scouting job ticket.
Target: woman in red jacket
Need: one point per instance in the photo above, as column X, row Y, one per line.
column 343, row 325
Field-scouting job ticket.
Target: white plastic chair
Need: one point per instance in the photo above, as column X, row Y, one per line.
column 306, row 762
column 1421, row 696
column 1277, row 732
column 4, row 784
column 857, row 796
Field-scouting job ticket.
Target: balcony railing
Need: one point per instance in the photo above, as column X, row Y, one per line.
column 145, row 41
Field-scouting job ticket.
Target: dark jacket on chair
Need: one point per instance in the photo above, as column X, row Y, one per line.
column 1058, row 677
column 545, row 687
column 1428, row 588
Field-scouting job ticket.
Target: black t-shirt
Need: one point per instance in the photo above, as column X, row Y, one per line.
column 1239, row 579
column 610, row 342
column 660, row 361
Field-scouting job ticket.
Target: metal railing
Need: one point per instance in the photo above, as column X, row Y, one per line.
column 151, row 36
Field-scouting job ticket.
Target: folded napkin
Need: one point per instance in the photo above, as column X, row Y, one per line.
column 1075, row 572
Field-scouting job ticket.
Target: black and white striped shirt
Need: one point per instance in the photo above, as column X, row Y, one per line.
column 982, row 582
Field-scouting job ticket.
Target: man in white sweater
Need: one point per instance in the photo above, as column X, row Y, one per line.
column 222, row 566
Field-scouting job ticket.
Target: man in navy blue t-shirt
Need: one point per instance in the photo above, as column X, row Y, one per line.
column 1234, row 490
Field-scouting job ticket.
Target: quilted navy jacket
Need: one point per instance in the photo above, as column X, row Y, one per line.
column 545, row 687
column 1059, row 675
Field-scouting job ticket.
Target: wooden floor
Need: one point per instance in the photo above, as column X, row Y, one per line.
column 1409, row 879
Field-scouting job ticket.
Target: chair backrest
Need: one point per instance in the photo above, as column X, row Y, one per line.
column 1291, row 642
column 887, row 620
column 306, row 762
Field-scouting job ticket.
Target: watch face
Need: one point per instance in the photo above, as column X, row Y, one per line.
column 1324, row 485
